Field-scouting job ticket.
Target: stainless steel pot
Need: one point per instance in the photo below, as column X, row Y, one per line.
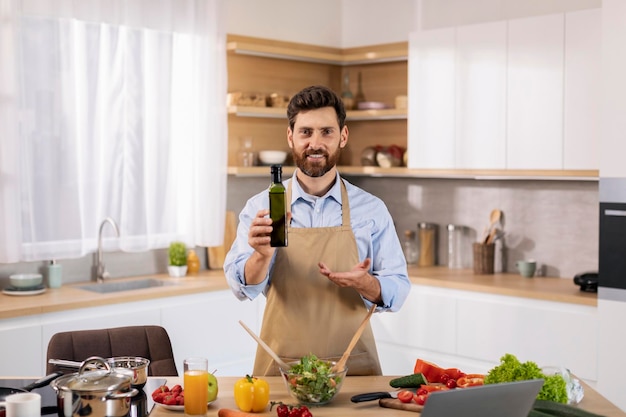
column 134, row 366
column 98, row 393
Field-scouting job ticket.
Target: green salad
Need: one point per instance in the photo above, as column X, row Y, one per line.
column 311, row 380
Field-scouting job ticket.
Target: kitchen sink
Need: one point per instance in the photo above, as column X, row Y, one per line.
column 111, row 286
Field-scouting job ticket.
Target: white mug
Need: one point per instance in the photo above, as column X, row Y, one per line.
column 23, row 404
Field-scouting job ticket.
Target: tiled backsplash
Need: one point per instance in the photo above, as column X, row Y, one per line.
column 554, row 222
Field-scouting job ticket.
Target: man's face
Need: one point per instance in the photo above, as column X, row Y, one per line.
column 316, row 141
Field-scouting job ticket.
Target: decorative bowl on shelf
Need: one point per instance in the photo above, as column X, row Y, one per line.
column 272, row 157
column 25, row 280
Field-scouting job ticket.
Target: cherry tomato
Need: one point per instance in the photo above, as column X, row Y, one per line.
column 444, row 378
column 422, row 391
column 451, row 383
column 420, row 399
column 405, row 396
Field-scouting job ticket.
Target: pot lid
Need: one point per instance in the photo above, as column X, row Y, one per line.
column 99, row 380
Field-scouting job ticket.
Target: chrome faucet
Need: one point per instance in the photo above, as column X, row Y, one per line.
column 101, row 272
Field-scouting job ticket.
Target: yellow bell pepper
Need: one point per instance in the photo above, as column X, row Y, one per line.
column 252, row 394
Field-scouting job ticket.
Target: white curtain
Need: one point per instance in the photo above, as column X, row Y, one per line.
column 110, row 108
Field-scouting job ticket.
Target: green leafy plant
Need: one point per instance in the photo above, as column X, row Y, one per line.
column 178, row 254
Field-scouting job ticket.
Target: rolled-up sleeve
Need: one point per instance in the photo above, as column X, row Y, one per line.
column 240, row 251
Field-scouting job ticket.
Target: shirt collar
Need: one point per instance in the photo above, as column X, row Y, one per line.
column 298, row 192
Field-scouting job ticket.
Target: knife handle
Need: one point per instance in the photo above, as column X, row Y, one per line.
column 370, row 396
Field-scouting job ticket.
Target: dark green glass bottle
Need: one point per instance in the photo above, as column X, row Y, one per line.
column 278, row 208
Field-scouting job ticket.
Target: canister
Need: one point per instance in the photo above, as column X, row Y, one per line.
column 427, row 235
column 457, row 246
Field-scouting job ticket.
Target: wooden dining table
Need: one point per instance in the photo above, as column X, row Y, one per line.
column 341, row 404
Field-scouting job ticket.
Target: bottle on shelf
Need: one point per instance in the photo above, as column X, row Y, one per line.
column 360, row 96
column 247, row 156
column 346, row 93
column 410, row 247
column 55, row 271
column 193, row 263
column 278, row 208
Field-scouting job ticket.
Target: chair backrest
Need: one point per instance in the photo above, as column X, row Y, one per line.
column 150, row 342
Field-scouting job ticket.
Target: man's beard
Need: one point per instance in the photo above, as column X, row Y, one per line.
column 317, row 167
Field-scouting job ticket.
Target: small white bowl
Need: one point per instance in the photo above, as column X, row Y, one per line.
column 272, row 157
column 25, row 280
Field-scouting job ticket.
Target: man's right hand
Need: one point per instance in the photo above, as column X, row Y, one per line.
column 259, row 234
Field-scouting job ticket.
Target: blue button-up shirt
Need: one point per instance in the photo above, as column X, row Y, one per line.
column 373, row 228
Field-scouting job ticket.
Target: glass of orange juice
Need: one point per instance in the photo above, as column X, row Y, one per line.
column 196, row 384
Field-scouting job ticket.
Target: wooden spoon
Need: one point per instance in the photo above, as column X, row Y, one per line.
column 341, row 364
column 494, row 218
column 273, row 354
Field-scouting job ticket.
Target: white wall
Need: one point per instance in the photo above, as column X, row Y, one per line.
column 340, row 24
column 370, row 22
column 312, row 22
column 445, row 13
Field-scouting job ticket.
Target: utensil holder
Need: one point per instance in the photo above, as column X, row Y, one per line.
column 483, row 258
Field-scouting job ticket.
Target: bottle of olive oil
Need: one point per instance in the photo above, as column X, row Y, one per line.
column 278, row 208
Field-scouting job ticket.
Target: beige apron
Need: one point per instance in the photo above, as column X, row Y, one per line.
column 306, row 312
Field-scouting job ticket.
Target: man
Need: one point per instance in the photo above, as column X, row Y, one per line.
column 343, row 252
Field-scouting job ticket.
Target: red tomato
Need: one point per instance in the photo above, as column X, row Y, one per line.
column 420, row 399
column 405, row 396
column 470, row 380
column 451, row 383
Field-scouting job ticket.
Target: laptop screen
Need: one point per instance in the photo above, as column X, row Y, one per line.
column 510, row 399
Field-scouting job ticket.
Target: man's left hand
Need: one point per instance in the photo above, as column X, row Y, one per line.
column 357, row 278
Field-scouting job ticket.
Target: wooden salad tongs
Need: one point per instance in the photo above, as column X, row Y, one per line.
column 341, row 364
column 264, row 345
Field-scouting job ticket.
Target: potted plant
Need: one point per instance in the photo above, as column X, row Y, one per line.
column 178, row 259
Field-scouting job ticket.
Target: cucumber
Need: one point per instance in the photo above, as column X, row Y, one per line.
column 561, row 410
column 408, row 381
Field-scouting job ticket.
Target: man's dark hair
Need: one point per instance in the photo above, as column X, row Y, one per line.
column 315, row 97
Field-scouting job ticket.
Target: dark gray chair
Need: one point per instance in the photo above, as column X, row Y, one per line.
column 150, row 342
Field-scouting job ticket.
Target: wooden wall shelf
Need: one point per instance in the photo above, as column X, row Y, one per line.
column 317, row 54
column 403, row 172
column 280, row 113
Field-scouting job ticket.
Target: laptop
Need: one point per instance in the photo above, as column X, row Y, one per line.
column 510, row 399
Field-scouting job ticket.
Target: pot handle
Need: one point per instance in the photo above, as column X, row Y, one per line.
column 126, row 394
column 94, row 359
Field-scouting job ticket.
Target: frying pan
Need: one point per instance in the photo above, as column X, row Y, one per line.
column 5, row 391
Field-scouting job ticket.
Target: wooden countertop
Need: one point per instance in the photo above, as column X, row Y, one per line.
column 342, row 406
column 70, row 297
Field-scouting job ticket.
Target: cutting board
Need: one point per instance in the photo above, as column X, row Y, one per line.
column 217, row 254
column 399, row 405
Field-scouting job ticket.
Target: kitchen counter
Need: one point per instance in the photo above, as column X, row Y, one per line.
column 70, row 297
column 342, row 406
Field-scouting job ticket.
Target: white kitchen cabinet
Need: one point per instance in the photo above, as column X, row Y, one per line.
column 581, row 118
column 535, row 92
column 431, row 99
column 203, row 324
column 21, row 346
column 473, row 330
column 481, row 75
